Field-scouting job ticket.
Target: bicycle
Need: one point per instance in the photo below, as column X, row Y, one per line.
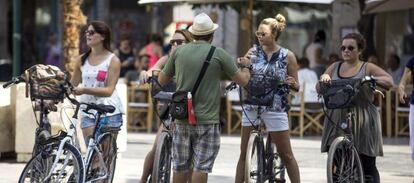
column 43, row 129
column 61, row 161
column 262, row 160
column 344, row 164
column 161, row 171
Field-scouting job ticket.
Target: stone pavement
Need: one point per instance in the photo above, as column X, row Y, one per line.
column 395, row 167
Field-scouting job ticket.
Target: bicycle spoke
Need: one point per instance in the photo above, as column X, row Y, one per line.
column 345, row 167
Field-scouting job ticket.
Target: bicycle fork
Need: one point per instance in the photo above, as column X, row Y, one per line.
column 59, row 152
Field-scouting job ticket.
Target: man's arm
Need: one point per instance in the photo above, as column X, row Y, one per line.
column 164, row 79
column 243, row 76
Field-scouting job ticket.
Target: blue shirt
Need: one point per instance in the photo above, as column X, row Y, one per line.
column 410, row 65
column 275, row 69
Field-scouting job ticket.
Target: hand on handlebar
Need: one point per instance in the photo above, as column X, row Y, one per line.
column 78, row 91
column 144, row 76
column 371, row 79
column 325, row 78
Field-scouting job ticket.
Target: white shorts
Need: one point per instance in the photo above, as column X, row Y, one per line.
column 411, row 126
column 274, row 121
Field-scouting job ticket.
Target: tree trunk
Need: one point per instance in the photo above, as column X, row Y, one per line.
column 73, row 20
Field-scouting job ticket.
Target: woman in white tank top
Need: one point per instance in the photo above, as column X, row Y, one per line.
column 98, row 71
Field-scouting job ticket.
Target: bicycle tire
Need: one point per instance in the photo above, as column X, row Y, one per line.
column 161, row 171
column 109, row 156
column 41, row 135
column 346, row 156
column 253, row 171
column 37, row 169
column 275, row 165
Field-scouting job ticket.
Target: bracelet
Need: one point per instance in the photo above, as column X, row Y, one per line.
column 250, row 67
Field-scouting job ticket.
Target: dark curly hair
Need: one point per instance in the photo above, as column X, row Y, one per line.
column 359, row 39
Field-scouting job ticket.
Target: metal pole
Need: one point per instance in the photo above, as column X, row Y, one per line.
column 17, row 36
column 250, row 30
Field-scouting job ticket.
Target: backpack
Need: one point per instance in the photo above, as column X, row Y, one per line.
column 46, row 82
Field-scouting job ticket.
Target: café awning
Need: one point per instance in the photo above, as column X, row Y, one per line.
column 380, row 6
column 225, row 1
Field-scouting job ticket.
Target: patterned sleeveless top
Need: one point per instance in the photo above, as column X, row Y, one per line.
column 95, row 76
column 275, row 68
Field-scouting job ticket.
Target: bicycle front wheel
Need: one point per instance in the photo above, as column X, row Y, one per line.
column 344, row 164
column 69, row 167
column 276, row 168
column 161, row 170
column 253, row 170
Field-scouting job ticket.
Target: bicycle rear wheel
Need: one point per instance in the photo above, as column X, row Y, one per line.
column 110, row 154
column 344, row 164
column 108, row 147
column 69, row 167
column 254, row 160
column 274, row 162
column 161, row 171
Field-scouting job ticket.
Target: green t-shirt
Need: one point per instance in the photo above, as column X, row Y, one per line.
column 188, row 61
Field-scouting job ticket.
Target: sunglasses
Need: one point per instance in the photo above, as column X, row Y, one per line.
column 176, row 42
column 90, row 32
column 260, row 34
column 350, row 48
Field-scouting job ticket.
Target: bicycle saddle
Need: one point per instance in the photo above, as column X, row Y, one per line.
column 101, row 108
column 164, row 96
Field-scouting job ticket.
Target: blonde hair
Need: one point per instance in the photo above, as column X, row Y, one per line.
column 277, row 24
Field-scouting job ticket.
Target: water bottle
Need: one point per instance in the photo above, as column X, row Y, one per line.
column 191, row 116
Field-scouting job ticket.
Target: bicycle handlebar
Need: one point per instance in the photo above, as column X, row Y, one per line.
column 13, row 81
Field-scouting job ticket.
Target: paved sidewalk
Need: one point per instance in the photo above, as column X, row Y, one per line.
column 394, row 167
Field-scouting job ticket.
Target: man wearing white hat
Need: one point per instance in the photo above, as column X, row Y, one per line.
column 196, row 146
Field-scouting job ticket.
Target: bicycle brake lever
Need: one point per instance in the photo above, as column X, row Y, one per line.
column 380, row 92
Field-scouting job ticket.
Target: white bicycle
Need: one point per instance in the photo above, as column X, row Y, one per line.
column 61, row 161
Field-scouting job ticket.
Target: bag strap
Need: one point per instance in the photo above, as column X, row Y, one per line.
column 203, row 69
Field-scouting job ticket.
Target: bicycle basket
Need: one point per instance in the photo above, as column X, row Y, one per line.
column 259, row 90
column 46, row 82
column 339, row 94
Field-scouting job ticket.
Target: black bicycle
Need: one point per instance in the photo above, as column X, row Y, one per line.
column 263, row 163
column 343, row 164
column 161, row 170
column 43, row 129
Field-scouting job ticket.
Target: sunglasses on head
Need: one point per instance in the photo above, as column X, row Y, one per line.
column 176, row 42
column 90, row 32
column 350, row 48
column 260, row 34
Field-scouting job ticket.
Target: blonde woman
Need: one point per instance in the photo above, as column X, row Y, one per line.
column 273, row 62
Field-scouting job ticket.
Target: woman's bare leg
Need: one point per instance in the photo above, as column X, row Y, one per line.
column 282, row 141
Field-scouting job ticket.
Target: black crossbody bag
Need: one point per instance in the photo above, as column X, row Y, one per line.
column 178, row 108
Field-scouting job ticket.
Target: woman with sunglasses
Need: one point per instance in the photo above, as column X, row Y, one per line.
column 274, row 62
column 180, row 37
column 98, row 71
column 367, row 129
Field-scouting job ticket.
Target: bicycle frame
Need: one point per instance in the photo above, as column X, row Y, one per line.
column 92, row 146
column 67, row 139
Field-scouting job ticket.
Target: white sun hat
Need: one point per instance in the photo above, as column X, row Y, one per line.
column 202, row 25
